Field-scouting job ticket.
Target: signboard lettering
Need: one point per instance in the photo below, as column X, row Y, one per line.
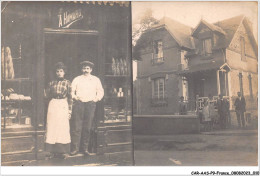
column 68, row 18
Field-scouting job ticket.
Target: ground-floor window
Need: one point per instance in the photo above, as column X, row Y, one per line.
column 158, row 88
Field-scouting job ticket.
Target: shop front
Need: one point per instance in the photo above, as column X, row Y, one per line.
column 35, row 36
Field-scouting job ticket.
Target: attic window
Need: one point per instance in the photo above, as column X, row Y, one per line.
column 157, row 52
column 207, row 47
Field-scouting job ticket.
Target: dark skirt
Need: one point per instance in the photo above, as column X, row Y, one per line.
column 57, row 148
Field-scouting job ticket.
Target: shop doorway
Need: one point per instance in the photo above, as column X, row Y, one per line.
column 70, row 48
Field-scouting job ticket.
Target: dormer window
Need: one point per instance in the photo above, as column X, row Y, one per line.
column 158, row 52
column 207, row 47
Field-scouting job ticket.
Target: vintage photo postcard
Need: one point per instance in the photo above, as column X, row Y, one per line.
column 66, row 84
column 195, row 67
column 120, row 83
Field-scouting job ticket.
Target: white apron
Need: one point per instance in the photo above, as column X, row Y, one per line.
column 58, row 128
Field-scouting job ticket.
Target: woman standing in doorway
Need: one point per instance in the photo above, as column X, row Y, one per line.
column 59, row 113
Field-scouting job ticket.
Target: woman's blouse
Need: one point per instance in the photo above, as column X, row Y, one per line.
column 60, row 89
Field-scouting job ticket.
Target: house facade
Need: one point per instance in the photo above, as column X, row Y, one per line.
column 211, row 59
column 162, row 54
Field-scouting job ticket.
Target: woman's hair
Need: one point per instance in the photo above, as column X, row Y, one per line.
column 60, row 65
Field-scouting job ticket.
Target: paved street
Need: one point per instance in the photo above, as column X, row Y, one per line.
column 218, row 148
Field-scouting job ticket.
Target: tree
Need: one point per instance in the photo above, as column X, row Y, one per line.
column 146, row 22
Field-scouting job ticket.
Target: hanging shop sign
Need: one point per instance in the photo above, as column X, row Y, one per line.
column 66, row 19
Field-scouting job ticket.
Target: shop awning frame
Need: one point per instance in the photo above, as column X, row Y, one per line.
column 70, row 31
column 109, row 3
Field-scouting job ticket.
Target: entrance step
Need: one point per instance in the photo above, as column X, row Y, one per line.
column 108, row 159
column 114, row 142
column 114, row 137
column 18, row 145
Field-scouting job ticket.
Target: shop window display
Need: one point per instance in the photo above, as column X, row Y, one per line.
column 16, row 91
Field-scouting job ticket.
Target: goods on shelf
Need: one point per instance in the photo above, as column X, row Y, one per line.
column 120, row 92
column 119, row 67
column 9, row 94
column 8, row 121
column 125, row 67
column 7, row 63
column 26, row 120
column 111, row 115
column 122, row 68
column 15, row 96
column 114, row 66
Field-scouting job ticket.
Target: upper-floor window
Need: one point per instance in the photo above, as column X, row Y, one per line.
column 158, row 88
column 207, row 47
column 157, row 52
column 242, row 48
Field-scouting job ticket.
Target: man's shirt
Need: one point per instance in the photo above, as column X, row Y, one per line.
column 87, row 88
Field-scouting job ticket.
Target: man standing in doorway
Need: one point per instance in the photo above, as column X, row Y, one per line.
column 86, row 91
column 240, row 104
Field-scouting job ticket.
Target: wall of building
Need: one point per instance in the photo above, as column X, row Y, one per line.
column 235, row 87
column 216, row 57
column 235, row 43
column 246, row 67
column 171, row 54
column 235, row 62
column 145, row 95
column 173, row 85
column 166, row 124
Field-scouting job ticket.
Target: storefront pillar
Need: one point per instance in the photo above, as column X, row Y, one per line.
column 38, row 78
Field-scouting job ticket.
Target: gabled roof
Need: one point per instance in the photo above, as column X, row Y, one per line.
column 183, row 34
column 180, row 32
column 210, row 26
column 230, row 27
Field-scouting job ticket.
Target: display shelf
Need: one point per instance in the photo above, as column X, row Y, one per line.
column 14, row 101
column 20, row 87
column 119, row 98
column 16, row 80
column 117, row 76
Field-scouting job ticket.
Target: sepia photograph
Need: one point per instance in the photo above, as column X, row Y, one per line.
column 66, row 84
column 195, row 83
column 129, row 83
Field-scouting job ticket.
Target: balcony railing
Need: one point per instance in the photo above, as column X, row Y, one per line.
column 201, row 100
column 157, row 60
